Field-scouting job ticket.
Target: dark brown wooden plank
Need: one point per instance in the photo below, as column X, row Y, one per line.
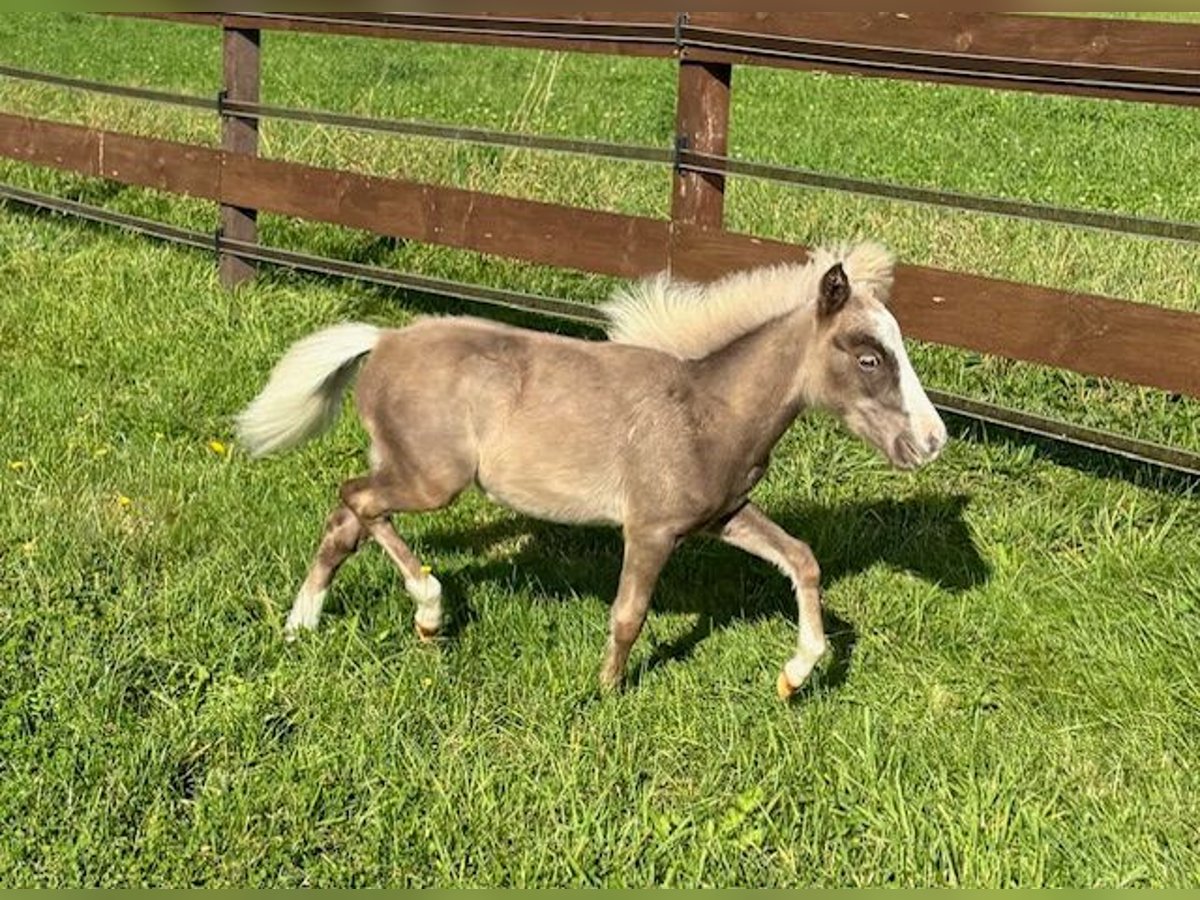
column 982, row 48
column 1077, row 49
column 545, row 233
column 704, row 254
column 588, row 240
column 627, row 33
column 1132, row 342
column 241, row 64
column 702, row 121
column 146, row 162
column 161, row 165
column 50, row 144
column 1093, row 335
column 1042, row 38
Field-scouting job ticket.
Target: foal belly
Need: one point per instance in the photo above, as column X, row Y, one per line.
column 554, row 453
column 546, row 492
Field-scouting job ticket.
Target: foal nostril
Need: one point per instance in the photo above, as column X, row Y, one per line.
column 935, row 442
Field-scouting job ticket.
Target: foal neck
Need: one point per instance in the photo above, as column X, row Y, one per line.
column 760, row 378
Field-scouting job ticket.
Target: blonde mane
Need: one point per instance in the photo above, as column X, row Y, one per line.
column 691, row 320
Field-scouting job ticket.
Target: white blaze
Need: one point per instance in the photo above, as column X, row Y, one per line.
column 927, row 426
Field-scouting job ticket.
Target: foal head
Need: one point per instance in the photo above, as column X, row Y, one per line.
column 860, row 372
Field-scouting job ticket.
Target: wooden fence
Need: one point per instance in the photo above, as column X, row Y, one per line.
column 1120, row 60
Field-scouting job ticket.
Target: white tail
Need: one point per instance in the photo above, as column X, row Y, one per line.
column 303, row 396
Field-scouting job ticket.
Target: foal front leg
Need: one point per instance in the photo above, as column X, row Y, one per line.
column 646, row 553
column 752, row 531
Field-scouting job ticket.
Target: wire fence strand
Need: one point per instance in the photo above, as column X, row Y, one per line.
column 680, row 157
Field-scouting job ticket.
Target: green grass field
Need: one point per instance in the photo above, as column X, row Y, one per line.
column 1015, row 693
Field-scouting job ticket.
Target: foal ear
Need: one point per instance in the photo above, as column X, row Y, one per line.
column 835, row 291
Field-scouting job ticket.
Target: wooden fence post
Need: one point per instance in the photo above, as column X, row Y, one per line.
column 701, row 125
column 239, row 135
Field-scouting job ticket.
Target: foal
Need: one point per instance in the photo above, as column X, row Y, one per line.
column 663, row 430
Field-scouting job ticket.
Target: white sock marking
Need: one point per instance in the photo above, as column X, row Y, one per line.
column 306, row 612
column 426, row 591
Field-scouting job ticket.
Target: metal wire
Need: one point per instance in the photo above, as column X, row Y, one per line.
column 515, row 300
column 675, row 37
column 116, row 90
column 606, row 149
column 713, row 164
column 681, row 158
column 523, row 28
column 245, row 109
column 1172, row 458
column 962, row 60
column 531, row 303
column 1078, row 436
column 854, row 55
column 690, row 160
column 92, row 213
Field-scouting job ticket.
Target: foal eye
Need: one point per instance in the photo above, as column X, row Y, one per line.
column 868, row 361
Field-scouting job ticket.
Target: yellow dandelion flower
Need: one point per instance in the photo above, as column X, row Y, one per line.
column 123, row 501
column 426, row 570
column 17, row 465
column 426, row 682
column 217, row 447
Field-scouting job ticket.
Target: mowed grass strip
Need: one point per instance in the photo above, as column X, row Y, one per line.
column 1013, row 699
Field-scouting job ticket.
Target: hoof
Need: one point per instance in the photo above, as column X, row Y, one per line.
column 426, row 635
column 610, row 683
column 293, row 628
column 783, row 687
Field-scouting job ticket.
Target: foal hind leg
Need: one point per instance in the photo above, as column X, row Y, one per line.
column 343, row 534
column 372, row 500
column 751, row 530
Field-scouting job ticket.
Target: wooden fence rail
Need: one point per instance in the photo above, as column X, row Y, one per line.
column 1053, row 54
column 1095, row 335
column 1154, row 62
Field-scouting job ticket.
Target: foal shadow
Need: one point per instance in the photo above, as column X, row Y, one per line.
column 722, row 586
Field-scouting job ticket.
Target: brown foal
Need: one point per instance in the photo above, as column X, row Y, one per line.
column 663, row 430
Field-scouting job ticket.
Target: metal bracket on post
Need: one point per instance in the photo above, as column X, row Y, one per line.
column 218, row 234
column 681, row 20
column 681, row 145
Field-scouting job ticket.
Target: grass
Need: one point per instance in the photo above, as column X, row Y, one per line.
column 1013, row 699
